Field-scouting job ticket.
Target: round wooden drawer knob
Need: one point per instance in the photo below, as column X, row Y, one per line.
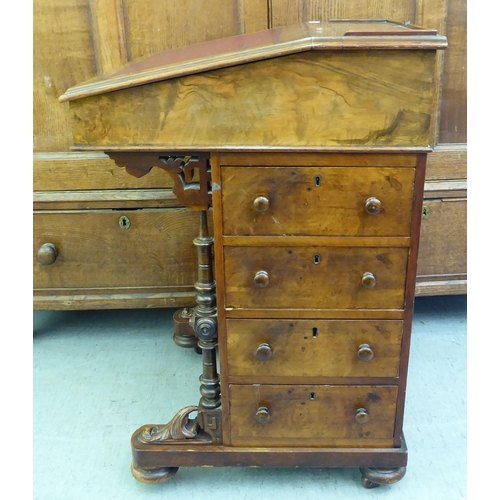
column 264, row 352
column 362, row 416
column 261, row 204
column 373, row 206
column 261, row 279
column 368, row 280
column 47, row 254
column 263, row 415
column 365, row 352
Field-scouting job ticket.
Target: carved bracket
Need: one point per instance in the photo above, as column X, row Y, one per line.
column 205, row 429
column 195, row 195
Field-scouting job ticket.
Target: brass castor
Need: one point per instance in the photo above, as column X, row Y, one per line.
column 372, row 478
column 153, row 476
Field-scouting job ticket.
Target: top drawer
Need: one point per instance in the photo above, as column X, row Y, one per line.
column 317, row 201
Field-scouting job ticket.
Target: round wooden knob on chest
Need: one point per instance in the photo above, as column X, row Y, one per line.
column 263, row 415
column 365, row 352
column 368, row 280
column 47, row 254
column 261, row 204
column 362, row 416
column 373, row 206
column 261, row 279
column 264, row 352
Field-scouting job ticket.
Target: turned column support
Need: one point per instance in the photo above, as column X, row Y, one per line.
column 194, row 192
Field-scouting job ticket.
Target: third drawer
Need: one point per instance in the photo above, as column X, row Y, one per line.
column 274, row 349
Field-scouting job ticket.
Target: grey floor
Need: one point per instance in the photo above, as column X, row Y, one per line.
column 99, row 375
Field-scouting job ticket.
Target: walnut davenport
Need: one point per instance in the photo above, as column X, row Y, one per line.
column 307, row 144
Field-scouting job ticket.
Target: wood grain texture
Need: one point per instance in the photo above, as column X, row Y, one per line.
column 443, row 243
column 307, row 457
column 298, row 352
column 453, row 120
column 156, row 26
column 316, row 201
column 325, row 241
column 97, row 199
column 95, row 252
column 82, row 299
column 88, row 171
column 441, row 287
column 328, row 420
column 285, row 12
column 221, row 297
column 271, row 312
column 295, row 281
column 108, row 34
column 447, row 161
column 243, row 49
column 63, row 55
column 318, row 159
column 357, row 88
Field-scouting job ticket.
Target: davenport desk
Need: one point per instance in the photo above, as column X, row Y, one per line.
column 308, row 144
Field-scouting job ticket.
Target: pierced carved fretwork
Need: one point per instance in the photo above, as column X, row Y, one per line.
column 193, row 194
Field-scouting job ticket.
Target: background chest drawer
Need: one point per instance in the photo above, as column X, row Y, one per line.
column 315, row 277
column 321, row 201
column 264, row 350
column 108, row 248
column 301, row 415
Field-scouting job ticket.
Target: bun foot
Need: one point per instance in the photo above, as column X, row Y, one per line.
column 153, row 476
column 372, row 478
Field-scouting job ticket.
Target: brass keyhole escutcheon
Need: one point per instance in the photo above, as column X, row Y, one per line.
column 426, row 211
column 124, row 222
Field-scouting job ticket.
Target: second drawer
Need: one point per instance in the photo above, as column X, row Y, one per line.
column 315, row 277
column 313, row 348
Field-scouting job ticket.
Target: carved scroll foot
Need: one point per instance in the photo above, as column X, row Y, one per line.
column 153, row 476
column 372, row 478
column 184, row 335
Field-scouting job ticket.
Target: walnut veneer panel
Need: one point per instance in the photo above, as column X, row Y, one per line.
column 312, row 415
column 316, row 99
column 316, row 201
column 296, row 282
column 313, row 348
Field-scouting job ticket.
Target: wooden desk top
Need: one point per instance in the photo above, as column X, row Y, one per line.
column 276, row 42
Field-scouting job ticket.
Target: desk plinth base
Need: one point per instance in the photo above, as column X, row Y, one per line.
column 155, row 463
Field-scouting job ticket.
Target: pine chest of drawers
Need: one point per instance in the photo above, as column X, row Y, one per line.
column 308, row 144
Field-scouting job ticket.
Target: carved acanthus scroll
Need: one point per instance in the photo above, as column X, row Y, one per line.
column 180, row 427
column 193, row 194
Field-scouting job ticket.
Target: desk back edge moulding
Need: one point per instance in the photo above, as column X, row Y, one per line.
column 308, row 143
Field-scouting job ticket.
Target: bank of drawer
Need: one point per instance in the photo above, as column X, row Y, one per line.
column 315, row 277
column 265, row 349
column 91, row 249
column 317, row 201
column 312, row 415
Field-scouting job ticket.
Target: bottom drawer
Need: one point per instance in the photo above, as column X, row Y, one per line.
column 313, row 415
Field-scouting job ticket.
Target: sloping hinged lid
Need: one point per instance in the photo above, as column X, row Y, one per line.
column 276, row 42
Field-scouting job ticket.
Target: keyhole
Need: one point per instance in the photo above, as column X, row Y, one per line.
column 315, row 332
column 317, row 258
column 317, row 181
column 124, row 222
column 313, row 396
